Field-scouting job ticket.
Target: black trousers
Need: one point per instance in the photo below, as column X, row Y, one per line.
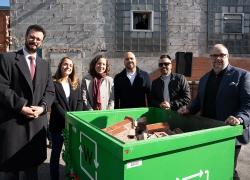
column 236, row 155
column 28, row 174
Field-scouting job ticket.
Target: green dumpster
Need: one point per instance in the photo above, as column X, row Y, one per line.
column 204, row 152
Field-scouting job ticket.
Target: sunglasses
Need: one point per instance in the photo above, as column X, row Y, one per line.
column 164, row 64
column 217, row 55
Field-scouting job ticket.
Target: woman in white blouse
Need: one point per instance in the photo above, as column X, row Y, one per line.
column 68, row 98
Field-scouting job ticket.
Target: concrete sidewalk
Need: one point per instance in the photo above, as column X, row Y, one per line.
column 244, row 162
column 243, row 165
column 44, row 168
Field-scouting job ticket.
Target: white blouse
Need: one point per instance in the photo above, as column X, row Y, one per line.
column 66, row 88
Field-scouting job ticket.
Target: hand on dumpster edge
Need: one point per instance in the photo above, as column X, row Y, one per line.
column 231, row 120
column 165, row 105
column 183, row 110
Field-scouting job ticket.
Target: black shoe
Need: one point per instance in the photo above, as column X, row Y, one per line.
column 236, row 175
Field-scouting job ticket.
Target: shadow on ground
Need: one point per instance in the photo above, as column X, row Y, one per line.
column 44, row 172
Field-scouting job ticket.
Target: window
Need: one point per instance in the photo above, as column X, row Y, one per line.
column 141, row 26
column 141, row 20
column 228, row 22
column 233, row 23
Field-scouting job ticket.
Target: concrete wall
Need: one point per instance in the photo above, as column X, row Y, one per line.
column 187, row 22
column 81, row 29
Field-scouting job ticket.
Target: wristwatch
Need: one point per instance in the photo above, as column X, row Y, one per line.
column 45, row 107
column 241, row 120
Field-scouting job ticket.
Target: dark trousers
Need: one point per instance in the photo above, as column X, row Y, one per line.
column 29, row 174
column 236, row 155
column 57, row 143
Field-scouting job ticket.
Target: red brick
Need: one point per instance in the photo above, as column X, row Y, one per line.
column 161, row 126
column 117, row 130
column 119, row 127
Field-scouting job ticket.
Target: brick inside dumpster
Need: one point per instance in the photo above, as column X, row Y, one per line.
column 134, row 130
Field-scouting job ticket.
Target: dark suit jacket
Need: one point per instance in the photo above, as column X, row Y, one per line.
column 131, row 96
column 179, row 92
column 22, row 140
column 233, row 96
column 61, row 106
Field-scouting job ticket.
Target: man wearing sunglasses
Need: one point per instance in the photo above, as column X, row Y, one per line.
column 170, row 90
column 224, row 94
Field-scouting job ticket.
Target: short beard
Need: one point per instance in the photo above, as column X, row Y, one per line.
column 30, row 50
column 128, row 66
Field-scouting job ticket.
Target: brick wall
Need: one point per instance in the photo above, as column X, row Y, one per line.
column 82, row 28
column 187, row 25
column 75, row 28
column 200, row 66
column 4, row 31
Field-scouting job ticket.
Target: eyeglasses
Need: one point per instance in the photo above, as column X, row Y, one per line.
column 164, row 64
column 217, row 55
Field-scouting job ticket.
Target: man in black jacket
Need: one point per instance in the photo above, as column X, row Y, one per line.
column 170, row 90
column 26, row 93
column 132, row 85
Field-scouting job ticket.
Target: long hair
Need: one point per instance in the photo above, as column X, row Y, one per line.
column 73, row 78
column 92, row 64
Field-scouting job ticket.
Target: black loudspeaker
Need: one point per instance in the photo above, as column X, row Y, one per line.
column 184, row 63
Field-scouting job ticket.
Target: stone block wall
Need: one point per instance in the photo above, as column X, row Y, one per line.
column 81, row 29
column 187, row 21
column 75, row 28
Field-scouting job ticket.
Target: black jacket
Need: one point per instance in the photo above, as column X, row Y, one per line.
column 179, row 91
column 61, row 106
column 131, row 96
column 23, row 140
column 233, row 98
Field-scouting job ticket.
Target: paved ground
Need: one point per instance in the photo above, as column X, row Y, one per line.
column 244, row 163
column 44, row 169
column 243, row 166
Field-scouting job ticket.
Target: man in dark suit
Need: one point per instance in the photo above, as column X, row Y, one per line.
column 132, row 85
column 26, row 92
column 224, row 94
column 170, row 90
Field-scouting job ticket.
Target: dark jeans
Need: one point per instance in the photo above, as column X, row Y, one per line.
column 29, row 174
column 236, row 155
column 57, row 142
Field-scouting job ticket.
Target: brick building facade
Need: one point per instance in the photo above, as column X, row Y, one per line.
column 81, row 29
column 4, row 28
